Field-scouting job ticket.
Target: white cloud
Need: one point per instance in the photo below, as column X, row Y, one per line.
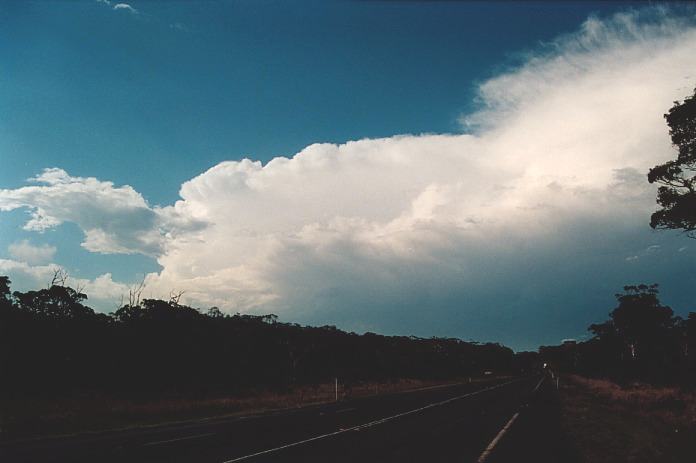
column 566, row 139
column 178, row 27
column 125, row 7
column 119, row 6
column 24, row 251
column 652, row 249
column 114, row 219
column 556, row 166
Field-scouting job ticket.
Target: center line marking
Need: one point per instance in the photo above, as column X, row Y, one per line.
column 197, row 436
column 372, row 423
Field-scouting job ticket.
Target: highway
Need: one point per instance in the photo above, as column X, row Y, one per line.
column 452, row 423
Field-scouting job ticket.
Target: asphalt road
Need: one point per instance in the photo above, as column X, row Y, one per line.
column 453, row 423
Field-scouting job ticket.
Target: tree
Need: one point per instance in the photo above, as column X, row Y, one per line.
column 640, row 319
column 677, row 193
column 56, row 302
column 215, row 312
column 690, row 328
column 647, row 334
column 5, row 293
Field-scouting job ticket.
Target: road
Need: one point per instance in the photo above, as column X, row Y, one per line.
column 453, row 423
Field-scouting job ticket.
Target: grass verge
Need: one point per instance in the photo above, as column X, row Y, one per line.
column 637, row 424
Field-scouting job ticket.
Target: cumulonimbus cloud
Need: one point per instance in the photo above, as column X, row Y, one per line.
column 555, row 159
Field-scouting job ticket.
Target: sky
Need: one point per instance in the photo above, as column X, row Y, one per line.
column 465, row 169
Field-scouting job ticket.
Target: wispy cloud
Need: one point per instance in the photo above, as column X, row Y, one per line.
column 125, row 7
column 178, row 27
column 119, row 6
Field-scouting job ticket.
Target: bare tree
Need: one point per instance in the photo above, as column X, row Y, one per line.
column 60, row 277
column 134, row 293
column 80, row 287
column 175, row 297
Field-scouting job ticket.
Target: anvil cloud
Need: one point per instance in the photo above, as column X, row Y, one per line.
column 553, row 164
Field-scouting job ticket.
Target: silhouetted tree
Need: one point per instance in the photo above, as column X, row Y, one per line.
column 689, row 347
column 52, row 343
column 6, row 301
column 644, row 325
column 56, row 302
column 641, row 340
column 677, row 193
column 215, row 312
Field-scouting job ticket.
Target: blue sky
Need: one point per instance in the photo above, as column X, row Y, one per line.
column 98, row 91
column 155, row 94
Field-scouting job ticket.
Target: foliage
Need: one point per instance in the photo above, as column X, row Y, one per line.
column 677, row 193
column 52, row 344
column 642, row 340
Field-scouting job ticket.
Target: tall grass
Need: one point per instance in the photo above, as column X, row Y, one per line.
column 638, row 423
column 673, row 404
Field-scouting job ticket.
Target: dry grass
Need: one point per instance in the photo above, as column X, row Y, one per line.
column 671, row 404
column 35, row 417
column 638, row 424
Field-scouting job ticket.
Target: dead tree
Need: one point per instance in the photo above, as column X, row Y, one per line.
column 134, row 293
column 175, row 297
column 60, row 278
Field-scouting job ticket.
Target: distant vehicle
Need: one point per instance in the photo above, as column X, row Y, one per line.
column 487, row 373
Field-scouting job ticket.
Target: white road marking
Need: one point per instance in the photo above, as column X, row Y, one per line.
column 371, row 423
column 538, row 384
column 486, row 453
column 427, row 388
column 197, row 436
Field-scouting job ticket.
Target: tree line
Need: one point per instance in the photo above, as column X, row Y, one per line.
column 641, row 341
column 52, row 343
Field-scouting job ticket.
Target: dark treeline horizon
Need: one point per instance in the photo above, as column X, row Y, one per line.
column 53, row 344
column 641, row 341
